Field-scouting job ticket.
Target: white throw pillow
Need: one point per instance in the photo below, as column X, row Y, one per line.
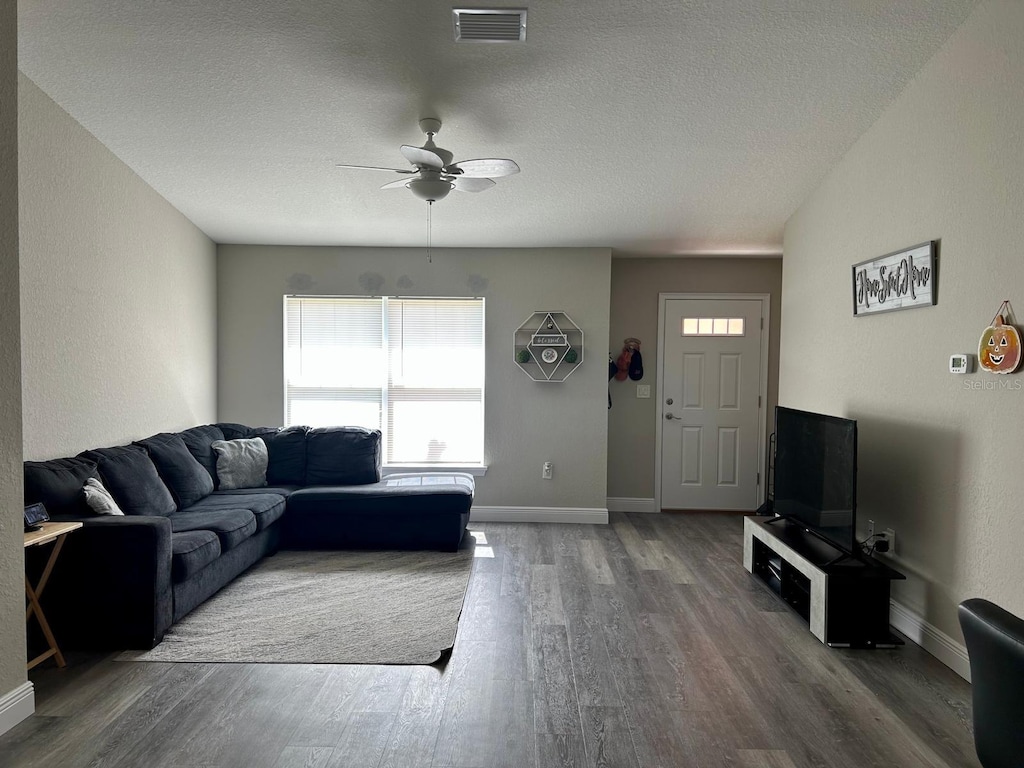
column 241, row 463
column 99, row 499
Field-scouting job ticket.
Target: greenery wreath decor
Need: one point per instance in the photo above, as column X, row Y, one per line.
column 571, row 356
column 523, row 356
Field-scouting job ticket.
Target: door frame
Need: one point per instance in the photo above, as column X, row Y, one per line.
column 762, row 429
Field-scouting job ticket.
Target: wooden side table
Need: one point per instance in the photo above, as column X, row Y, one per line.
column 55, row 532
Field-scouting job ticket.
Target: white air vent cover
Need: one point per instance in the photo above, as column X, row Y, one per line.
column 489, row 25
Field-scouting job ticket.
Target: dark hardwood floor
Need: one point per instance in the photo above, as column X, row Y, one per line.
column 642, row 643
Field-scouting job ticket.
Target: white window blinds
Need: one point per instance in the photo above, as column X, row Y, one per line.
column 411, row 367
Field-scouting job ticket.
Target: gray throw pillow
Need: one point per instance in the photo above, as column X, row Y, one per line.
column 99, row 499
column 241, row 463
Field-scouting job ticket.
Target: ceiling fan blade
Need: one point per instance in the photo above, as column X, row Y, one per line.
column 373, row 168
column 396, row 184
column 471, row 184
column 422, row 157
column 490, row 166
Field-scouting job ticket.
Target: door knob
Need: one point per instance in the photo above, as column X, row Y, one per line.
column 669, row 401
column 669, row 417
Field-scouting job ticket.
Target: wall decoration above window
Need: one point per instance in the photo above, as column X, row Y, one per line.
column 548, row 346
column 900, row 280
column 999, row 348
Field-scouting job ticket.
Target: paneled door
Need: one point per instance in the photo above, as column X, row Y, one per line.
column 710, row 403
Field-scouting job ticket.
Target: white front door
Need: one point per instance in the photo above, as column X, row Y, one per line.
column 710, row 403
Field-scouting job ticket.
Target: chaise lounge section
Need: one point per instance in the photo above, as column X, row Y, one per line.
column 124, row 580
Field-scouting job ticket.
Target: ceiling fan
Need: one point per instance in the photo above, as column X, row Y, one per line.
column 435, row 174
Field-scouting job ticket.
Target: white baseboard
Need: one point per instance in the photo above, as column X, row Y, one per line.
column 17, row 705
column 589, row 515
column 624, row 504
column 934, row 640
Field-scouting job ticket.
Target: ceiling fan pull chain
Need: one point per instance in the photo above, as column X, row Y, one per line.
column 430, row 207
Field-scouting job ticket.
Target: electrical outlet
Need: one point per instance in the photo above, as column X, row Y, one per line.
column 871, row 529
column 643, row 391
column 547, row 470
column 890, row 536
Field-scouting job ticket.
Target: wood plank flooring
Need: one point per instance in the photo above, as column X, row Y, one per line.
column 638, row 644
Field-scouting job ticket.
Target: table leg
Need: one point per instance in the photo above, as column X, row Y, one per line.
column 33, row 594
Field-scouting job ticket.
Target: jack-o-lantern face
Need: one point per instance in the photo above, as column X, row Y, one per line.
column 999, row 350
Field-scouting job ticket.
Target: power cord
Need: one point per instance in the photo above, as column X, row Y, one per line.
column 877, row 542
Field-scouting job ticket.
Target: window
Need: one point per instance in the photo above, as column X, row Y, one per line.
column 712, row 326
column 410, row 367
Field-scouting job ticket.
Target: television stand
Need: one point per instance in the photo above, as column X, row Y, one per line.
column 843, row 598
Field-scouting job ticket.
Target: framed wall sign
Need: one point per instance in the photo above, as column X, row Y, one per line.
column 900, row 280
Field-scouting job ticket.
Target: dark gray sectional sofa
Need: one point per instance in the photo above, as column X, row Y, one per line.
column 121, row 581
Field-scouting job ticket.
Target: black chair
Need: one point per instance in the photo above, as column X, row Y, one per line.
column 995, row 645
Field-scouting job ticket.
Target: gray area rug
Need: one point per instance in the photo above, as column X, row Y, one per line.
column 328, row 608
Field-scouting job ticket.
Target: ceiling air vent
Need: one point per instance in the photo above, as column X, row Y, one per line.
column 489, row 25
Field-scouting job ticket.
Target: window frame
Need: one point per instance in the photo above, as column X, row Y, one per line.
column 389, row 468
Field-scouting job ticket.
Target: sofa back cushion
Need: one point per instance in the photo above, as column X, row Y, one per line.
column 181, row 473
column 287, row 454
column 199, row 441
column 342, row 456
column 57, row 484
column 131, row 477
column 234, row 431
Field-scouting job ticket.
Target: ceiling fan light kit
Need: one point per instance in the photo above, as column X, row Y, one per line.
column 429, row 189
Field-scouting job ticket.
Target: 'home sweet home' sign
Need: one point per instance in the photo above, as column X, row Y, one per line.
column 900, row 280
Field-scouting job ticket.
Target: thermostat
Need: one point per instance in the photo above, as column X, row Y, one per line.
column 960, row 363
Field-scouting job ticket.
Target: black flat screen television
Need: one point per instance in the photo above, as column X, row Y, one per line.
column 816, row 474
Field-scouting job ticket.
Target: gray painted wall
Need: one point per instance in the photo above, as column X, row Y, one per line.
column 12, row 571
column 636, row 284
column 939, row 460
column 527, row 423
column 118, row 295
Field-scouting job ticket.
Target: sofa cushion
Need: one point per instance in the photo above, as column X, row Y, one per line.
column 232, row 526
column 185, row 476
column 266, row 507
column 199, row 441
column 191, row 551
column 286, row 449
column 401, row 512
column 280, row 490
column 420, row 493
column 234, row 431
column 131, row 477
column 342, row 456
column 241, row 463
column 57, row 485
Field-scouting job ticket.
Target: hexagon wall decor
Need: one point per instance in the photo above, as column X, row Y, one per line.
column 548, row 346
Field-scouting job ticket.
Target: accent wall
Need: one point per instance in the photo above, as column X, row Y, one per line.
column 526, row 422
column 939, row 453
column 118, row 294
column 636, row 283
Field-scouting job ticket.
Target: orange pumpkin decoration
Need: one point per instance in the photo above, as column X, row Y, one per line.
column 999, row 349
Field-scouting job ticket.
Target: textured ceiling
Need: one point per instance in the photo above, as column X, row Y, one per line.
column 648, row 126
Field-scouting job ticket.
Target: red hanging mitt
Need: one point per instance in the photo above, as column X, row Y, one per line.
column 622, row 363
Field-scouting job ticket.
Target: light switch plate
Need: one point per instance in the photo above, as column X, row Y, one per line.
column 643, row 391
